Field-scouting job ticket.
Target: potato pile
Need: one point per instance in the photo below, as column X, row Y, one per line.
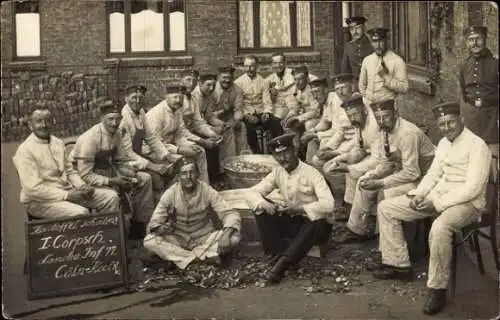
column 247, row 166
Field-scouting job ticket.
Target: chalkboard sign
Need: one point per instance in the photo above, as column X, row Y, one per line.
column 74, row 255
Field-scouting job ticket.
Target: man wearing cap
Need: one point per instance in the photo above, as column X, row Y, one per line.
column 181, row 229
column 102, row 161
column 322, row 130
column 400, row 155
column 293, row 222
column 305, row 112
column 166, row 118
column 453, row 191
column 383, row 73
column 50, row 187
column 220, row 137
column 478, row 79
column 229, row 109
column 193, row 120
column 255, row 104
column 281, row 88
column 357, row 49
column 344, row 87
column 158, row 160
column 359, row 136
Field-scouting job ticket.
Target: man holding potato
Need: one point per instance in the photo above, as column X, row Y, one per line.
column 291, row 226
column 181, row 229
column 400, row 155
column 102, row 161
column 50, row 187
column 453, row 191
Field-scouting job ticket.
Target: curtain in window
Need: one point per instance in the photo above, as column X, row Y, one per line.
column 303, row 23
column 246, row 24
column 146, row 31
column 275, row 24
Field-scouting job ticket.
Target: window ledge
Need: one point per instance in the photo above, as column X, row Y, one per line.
column 420, row 83
column 291, row 57
column 29, row 65
column 149, row 62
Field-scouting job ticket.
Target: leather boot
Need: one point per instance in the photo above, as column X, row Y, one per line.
column 390, row 272
column 435, row 302
column 137, row 230
column 277, row 272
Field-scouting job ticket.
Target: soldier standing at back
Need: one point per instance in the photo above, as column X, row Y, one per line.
column 479, row 88
column 357, row 49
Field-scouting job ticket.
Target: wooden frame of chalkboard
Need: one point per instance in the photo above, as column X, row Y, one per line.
column 76, row 255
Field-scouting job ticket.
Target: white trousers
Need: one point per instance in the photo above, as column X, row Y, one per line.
column 363, row 211
column 103, row 201
column 182, row 253
column 393, row 246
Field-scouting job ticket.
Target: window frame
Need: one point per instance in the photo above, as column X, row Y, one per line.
column 128, row 37
column 15, row 57
column 395, row 22
column 256, row 31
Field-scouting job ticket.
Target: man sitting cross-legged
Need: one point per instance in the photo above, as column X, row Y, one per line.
column 289, row 228
column 181, row 229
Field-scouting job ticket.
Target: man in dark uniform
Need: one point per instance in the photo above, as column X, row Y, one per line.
column 356, row 49
column 292, row 224
column 479, row 88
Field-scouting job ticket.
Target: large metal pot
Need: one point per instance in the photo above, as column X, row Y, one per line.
column 247, row 179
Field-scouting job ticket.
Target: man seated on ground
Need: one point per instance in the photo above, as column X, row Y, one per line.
column 101, row 161
column 156, row 159
column 291, row 226
column 312, row 137
column 362, row 133
column 344, row 86
column 229, row 109
column 453, row 191
column 50, row 187
column 399, row 157
column 256, row 113
column 182, row 229
column 166, row 118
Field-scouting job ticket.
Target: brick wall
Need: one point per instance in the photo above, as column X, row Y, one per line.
column 73, row 39
column 72, row 98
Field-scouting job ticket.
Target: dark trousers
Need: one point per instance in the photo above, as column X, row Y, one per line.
column 273, row 125
column 213, row 164
column 291, row 237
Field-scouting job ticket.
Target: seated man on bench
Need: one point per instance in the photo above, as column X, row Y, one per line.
column 453, row 191
column 50, row 188
column 288, row 230
column 181, row 229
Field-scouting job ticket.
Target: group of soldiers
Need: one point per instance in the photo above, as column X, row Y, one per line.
column 393, row 172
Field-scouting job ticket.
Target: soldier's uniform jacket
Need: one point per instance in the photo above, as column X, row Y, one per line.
column 169, row 125
column 192, row 213
column 410, row 144
column 255, row 92
column 354, row 53
column 229, row 103
column 135, row 127
column 193, row 120
column 478, row 80
column 306, row 107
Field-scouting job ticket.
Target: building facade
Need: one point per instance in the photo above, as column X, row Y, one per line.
column 70, row 54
